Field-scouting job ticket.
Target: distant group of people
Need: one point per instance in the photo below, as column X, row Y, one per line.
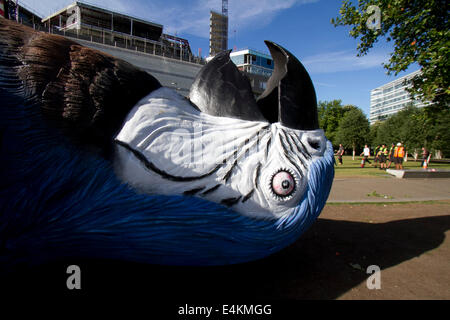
column 382, row 155
column 386, row 158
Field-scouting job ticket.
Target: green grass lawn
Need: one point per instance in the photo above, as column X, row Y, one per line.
column 352, row 168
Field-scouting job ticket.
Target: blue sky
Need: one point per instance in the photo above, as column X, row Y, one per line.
column 301, row 26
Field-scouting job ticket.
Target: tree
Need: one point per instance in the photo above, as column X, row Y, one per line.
column 425, row 127
column 436, row 128
column 405, row 127
column 420, row 31
column 330, row 113
column 373, row 134
column 353, row 129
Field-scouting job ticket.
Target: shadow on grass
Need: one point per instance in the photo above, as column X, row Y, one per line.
column 308, row 269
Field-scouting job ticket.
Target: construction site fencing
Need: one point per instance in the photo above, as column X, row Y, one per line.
column 152, row 48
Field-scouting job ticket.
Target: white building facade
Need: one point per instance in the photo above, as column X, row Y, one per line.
column 258, row 67
column 392, row 97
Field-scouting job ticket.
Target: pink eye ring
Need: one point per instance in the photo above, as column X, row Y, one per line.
column 283, row 183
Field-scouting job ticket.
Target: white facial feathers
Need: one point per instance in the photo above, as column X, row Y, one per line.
column 166, row 146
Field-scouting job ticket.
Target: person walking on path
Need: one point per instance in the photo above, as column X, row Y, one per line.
column 340, row 153
column 399, row 153
column 366, row 153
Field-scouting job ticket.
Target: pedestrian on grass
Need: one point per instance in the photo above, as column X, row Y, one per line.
column 340, row 153
column 425, row 154
column 391, row 156
column 399, row 153
column 366, row 154
column 382, row 154
column 375, row 154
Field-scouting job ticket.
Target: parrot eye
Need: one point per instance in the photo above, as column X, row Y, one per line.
column 283, row 184
column 314, row 144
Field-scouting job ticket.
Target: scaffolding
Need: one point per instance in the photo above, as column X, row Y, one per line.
column 218, row 33
column 225, row 7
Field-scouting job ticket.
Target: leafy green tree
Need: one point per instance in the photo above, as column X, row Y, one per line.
column 373, row 132
column 330, row 114
column 412, row 130
column 436, row 128
column 416, row 127
column 353, row 131
column 421, row 33
column 393, row 129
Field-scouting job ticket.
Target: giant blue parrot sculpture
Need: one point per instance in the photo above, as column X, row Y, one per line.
column 97, row 159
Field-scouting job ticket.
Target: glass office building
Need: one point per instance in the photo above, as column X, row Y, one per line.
column 391, row 98
column 253, row 61
column 258, row 67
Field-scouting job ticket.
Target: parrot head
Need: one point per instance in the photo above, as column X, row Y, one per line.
column 97, row 159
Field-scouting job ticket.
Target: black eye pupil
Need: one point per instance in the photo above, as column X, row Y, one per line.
column 285, row 184
column 314, row 144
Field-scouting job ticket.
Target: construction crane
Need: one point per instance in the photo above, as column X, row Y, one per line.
column 225, row 7
column 218, row 36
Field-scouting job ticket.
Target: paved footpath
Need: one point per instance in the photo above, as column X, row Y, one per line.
column 388, row 189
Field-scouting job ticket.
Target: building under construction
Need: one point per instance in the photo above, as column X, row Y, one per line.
column 218, row 30
column 255, row 65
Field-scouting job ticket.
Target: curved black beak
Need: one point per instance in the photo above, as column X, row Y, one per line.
column 290, row 97
column 220, row 89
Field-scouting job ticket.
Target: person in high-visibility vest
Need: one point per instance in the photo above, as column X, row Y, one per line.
column 385, row 153
column 375, row 155
column 391, row 156
column 382, row 154
column 399, row 153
